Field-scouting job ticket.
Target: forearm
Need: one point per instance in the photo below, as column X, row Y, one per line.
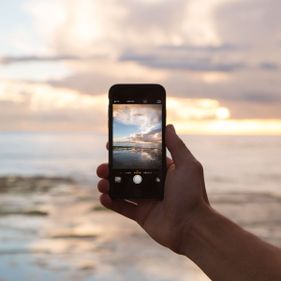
column 224, row 251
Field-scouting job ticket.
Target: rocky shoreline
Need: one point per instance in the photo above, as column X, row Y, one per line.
column 20, row 184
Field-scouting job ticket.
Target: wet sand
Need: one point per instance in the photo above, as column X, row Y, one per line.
column 55, row 229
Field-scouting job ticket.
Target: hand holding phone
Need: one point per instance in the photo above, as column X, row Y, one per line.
column 185, row 196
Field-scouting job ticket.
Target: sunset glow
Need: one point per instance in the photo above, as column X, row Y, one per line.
column 190, row 116
column 218, row 81
column 231, row 127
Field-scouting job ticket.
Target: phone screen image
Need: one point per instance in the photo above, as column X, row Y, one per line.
column 137, row 136
column 137, row 153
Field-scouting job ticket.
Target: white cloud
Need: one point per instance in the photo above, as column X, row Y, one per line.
column 111, row 26
column 146, row 117
column 227, row 50
column 38, row 106
column 252, row 23
column 153, row 136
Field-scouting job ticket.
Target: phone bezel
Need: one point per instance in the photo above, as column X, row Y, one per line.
column 130, row 91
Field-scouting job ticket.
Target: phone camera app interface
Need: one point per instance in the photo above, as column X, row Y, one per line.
column 137, row 143
column 137, row 136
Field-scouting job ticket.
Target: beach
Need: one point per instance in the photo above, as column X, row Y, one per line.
column 52, row 226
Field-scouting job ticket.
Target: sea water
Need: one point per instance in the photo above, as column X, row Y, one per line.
column 60, row 232
column 231, row 163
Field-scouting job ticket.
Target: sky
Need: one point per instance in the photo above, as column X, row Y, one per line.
column 137, row 123
column 219, row 61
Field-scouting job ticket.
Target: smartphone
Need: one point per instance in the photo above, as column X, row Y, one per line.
column 137, row 149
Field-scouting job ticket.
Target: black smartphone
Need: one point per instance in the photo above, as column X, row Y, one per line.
column 137, row 149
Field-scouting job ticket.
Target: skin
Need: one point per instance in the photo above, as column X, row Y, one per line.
column 186, row 223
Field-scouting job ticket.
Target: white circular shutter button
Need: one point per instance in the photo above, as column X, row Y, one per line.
column 137, row 179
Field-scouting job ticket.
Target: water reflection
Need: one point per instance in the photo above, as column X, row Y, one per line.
column 51, row 229
column 137, row 157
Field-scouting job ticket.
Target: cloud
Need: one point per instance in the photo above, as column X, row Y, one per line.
column 164, row 34
column 109, row 26
column 181, row 59
column 151, row 46
column 34, row 58
column 144, row 116
column 156, row 21
column 153, row 136
column 102, row 27
column 222, row 50
column 252, row 23
column 97, row 78
column 271, row 66
column 223, row 58
column 40, row 107
column 242, row 87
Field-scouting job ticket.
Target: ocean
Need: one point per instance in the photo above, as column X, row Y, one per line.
column 231, row 163
column 52, row 226
column 52, row 154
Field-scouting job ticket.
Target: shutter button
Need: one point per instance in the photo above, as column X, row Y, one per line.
column 137, row 179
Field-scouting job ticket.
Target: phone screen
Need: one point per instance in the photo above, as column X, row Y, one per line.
column 137, row 151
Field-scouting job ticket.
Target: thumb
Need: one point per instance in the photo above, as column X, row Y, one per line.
column 176, row 146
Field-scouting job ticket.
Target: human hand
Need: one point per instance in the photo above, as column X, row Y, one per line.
column 165, row 221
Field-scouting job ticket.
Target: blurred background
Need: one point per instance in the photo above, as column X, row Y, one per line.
column 220, row 63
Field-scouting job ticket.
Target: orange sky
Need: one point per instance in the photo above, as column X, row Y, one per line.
column 57, row 109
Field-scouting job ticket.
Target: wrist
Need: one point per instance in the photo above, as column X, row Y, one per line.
column 194, row 227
